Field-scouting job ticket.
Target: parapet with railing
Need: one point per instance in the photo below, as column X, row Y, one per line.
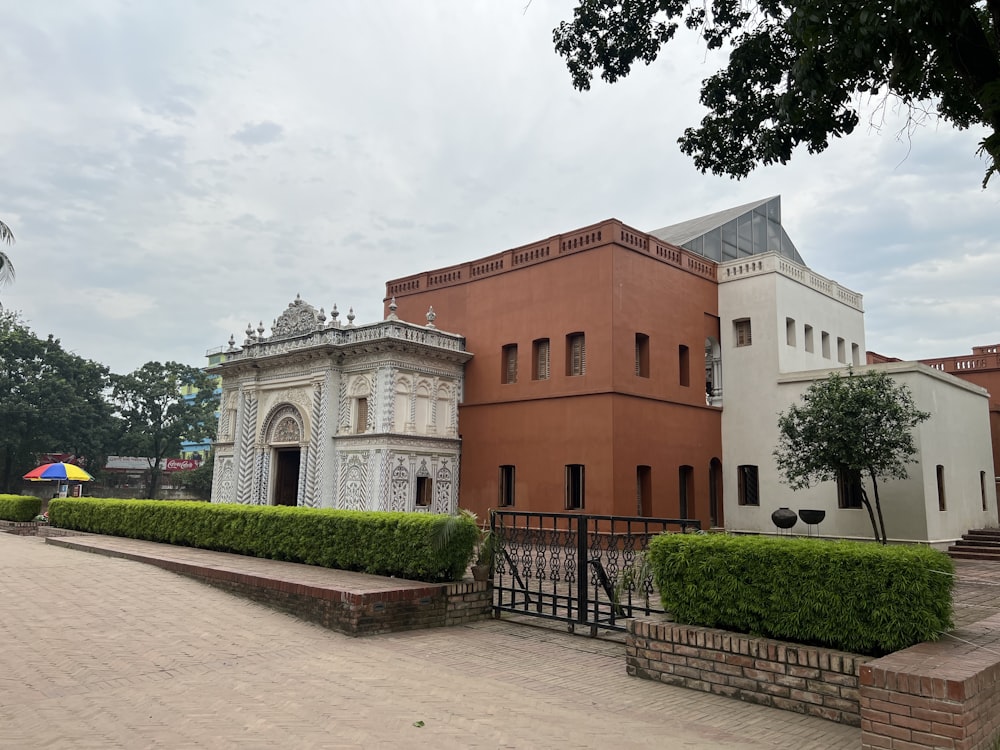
column 605, row 233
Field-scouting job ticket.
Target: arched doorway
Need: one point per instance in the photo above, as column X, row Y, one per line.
column 285, row 437
column 286, row 475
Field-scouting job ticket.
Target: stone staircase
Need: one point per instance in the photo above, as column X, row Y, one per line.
column 978, row 544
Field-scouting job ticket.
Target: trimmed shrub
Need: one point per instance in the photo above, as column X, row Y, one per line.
column 853, row 596
column 405, row 545
column 19, row 507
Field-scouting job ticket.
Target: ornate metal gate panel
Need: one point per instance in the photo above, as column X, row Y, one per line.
column 579, row 569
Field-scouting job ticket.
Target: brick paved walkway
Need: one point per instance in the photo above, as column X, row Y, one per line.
column 97, row 652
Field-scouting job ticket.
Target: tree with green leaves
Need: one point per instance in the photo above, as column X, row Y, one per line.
column 51, row 401
column 6, row 267
column 161, row 405
column 199, row 480
column 848, row 426
column 800, row 70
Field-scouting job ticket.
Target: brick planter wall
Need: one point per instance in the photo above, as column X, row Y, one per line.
column 364, row 613
column 21, row 528
column 806, row 679
column 944, row 694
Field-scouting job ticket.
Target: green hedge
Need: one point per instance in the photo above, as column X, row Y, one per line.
column 853, row 596
column 417, row 546
column 19, row 507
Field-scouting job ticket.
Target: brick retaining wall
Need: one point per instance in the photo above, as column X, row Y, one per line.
column 944, row 694
column 361, row 613
column 806, row 679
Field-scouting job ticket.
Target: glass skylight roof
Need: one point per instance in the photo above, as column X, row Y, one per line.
column 739, row 232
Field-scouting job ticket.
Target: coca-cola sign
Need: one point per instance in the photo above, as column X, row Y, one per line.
column 181, row 464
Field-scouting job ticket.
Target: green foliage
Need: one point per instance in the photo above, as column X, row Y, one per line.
column 199, row 480
column 854, row 423
column 852, row 596
column 405, row 545
column 798, row 70
column 6, row 267
column 51, row 401
column 157, row 415
column 19, row 507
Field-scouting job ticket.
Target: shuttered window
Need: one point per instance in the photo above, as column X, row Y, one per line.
column 540, row 357
column 509, row 373
column 576, row 354
column 361, row 424
column 742, row 332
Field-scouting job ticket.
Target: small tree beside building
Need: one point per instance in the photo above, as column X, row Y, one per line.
column 848, row 427
column 158, row 416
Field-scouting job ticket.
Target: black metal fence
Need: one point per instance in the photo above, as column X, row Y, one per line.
column 584, row 570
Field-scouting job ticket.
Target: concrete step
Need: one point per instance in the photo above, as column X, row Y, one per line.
column 972, row 553
column 986, row 534
column 966, row 541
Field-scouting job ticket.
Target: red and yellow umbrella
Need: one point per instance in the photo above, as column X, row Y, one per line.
column 58, row 472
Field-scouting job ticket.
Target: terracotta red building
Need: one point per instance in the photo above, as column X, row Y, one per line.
column 591, row 382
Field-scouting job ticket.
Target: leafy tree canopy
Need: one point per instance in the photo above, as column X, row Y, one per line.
column 161, row 405
column 6, row 267
column 51, row 401
column 853, row 424
column 798, row 69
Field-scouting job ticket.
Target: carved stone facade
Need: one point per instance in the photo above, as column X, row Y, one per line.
column 326, row 415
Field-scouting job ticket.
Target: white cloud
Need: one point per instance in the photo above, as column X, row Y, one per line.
column 175, row 170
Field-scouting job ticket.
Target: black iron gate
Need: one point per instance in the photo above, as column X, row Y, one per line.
column 579, row 569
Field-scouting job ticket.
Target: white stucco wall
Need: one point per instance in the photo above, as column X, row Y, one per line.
column 762, row 380
column 768, row 290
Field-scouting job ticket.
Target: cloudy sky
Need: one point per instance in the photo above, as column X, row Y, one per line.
column 175, row 170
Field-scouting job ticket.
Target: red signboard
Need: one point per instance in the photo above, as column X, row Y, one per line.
column 181, row 464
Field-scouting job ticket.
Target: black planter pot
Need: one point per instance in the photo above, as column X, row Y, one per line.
column 812, row 517
column 784, row 518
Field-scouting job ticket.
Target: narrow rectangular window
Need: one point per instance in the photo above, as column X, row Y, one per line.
column 855, row 354
column 576, row 354
column 506, row 486
column 848, row 489
column 749, row 485
column 825, row 338
column 509, row 372
column 982, row 487
column 684, row 364
column 942, row 502
column 642, row 355
column 685, row 477
column 643, row 491
column 424, row 491
column 841, row 351
column 741, row 331
column 540, row 359
column 361, row 423
column 790, row 331
column 808, row 336
column 574, row 486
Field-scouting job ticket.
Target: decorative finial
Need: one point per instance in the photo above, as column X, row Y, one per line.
column 334, row 314
column 350, row 317
column 232, row 342
column 321, row 317
column 431, row 315
column 260, row 330
column 392, row 309
column 249, row 339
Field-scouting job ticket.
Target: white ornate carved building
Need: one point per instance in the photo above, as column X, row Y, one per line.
column 324, row 414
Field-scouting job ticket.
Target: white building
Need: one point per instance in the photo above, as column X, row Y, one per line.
column 321, row 414
column 785, row 327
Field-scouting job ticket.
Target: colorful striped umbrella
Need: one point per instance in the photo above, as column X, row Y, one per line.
column 58, row 471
